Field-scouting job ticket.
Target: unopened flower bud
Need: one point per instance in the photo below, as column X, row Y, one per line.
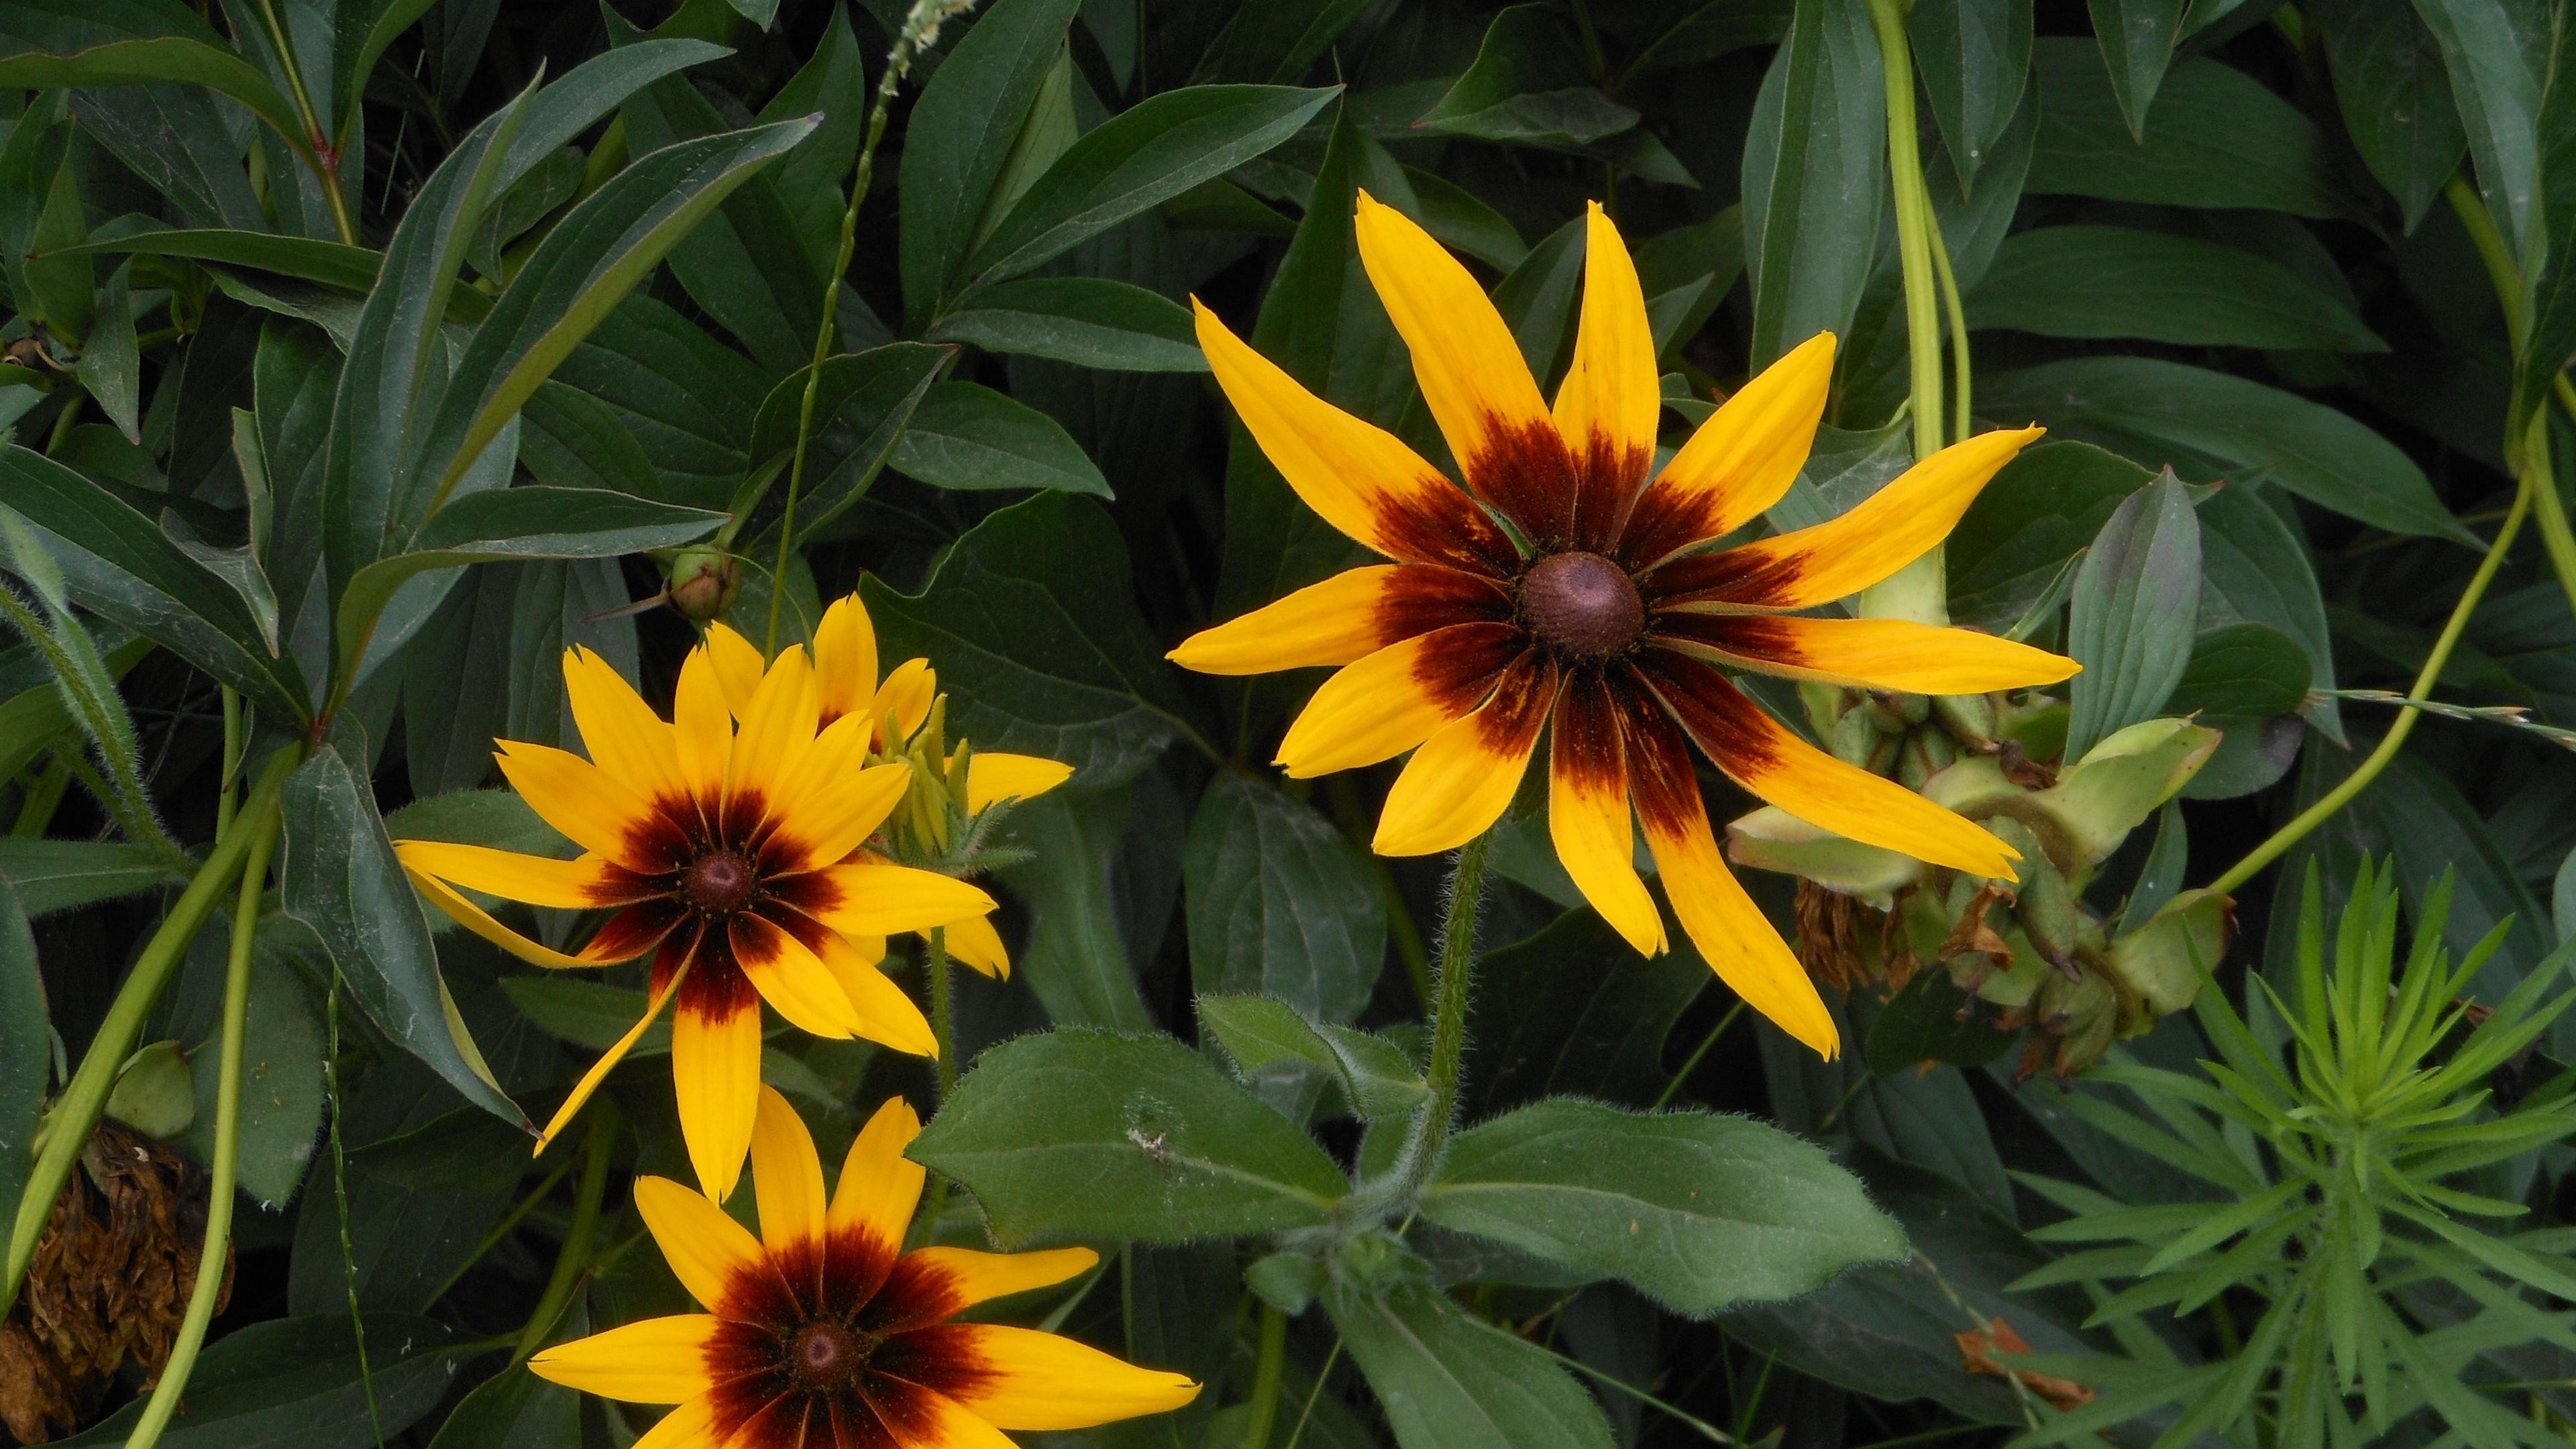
column 704, row 583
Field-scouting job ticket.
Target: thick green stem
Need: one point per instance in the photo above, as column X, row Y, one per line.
column 1917, row 591
column 1453, row 990
column 228, row 797
column 77, row 1110
column 2548, row 511
column 1267, row 1369
column 219, row 1200
column 573, row 1262
column 943, row 1029
column 2533, row 477
column 1958, row 314
column 318, row 146
column 2492, row 252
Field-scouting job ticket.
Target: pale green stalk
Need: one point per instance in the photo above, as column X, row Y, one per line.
column 1919, row 590
column 572, row 1261
column 1453, row 990
column 1268, row 1365
column 2548, row 510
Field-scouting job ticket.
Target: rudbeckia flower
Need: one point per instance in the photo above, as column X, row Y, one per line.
column 846, row 683
column 822, row 1331
column 726, row 853
column 1568, row 582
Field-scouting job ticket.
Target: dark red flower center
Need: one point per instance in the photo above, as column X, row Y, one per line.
column 1582, row 602
column 720, row 883
column 825, row 1355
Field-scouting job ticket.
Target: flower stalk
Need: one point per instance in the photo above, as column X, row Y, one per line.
column 1919, row 590
column 1452, row 993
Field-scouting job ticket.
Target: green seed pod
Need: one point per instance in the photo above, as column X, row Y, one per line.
column 1854, row 738
column 1968, row 717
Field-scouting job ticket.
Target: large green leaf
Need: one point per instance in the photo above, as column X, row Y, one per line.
column 1696, row 1210
column 2113, row 281
column 2497, row 53
column 1077, row 960
column 2217, row 138
column 63, row 875
column 2240, row 669
column 2027, row 526
column 1033, row 627
column 582, row 270
column 1573, row 1010
column 960, row 136
column 26, row 1050
column 1449, row 1380
column 687, row 398
column 515, row 1409
column 967, row 436
column 1528, row 87
column 2548, row 312
column 282, row 1049
column 1281, row 903
column 175, row 138
column 862, row 406
column 50, row 43
column 1165, row 1147
column 1260, row 1032
column 342, row 881
column 2254, row 569
column 2395, row 97
column 1090, row 321
column 122, row 567
column 1974, row 58
column 1812, row 177
column 562, row 111
column 2135, row 597
column 1277, row 44
column 348, row 268
column 306, row 1383
column 1137, row 159
column 2213, row 425
column 422, row 1197
column 2137, row 41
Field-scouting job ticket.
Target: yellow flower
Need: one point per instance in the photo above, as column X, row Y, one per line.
column 1564, row 583
column 822, row 1331
column 733, row 856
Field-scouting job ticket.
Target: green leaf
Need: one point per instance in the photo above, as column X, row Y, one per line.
column 862, row 406
column 1574, row 1010
column 422, row 1196
column 62, row 875
column 281, row 1100
column 2548, row 311
column 51, row 43
column 1166, row 1148
column 2242, row 669
column 2497, row 54
column 586, row 1013
column 1975, row 60
column 1088, row 321
column 1139, row 159
column 687, row 398
column 1527, row 85
column 2395, row 98
column 303, row 1383
column 2254, row 569
column 173, row 137
column 813, row 180
column 1932, row 1020
column 1697, row 1211
column 514, row 1409
column 342, row 881
column 1260, row 1032
column 582, row 270
column 1450, row 1380
column 1033, row 627
column 120, row 566
column 1077, row 961
column 1812, row 173
column 499, row 819
column 2137, row 41
column 348, row 268
column 26, row 1049
column 2217, row 138
column 2217, row 426
column 1277, row 44
column 570, row 439
column 2111, row 281
column 2135, row 597
column 558, row 114
column 110, row 365
column 967, row 436
column 2042, row 509
column 1280, row 903
column 959, row 137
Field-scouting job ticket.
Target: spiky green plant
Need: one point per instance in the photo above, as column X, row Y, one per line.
column 2342, row 1129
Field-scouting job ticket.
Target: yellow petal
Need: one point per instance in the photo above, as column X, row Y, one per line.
column 980, row 1276
column 903, row 702
column 921, row 1418
column 591, row 807
column 791, row 978
column 715, row 1070
column 1768, row 759
column 884, row 1014
column 600, row 1069
column 705, row 1248
column 619, row 730
column 649, row 1361
column 1730, row 931
column 701, row 728
column 690, row 1426
column 786, row 1174
column 879, row 1186
column 1357, row 476
column 1479, row 390
column 837, row 805
column 738, row 666
column 885, row 900
column 993, row 776
column 535, row 880
column 1607, row 406
column 474, row 918
column 978, row 946
column 1458, row 783
column 1047, row 1381
column 1345, row 618
column 1896, row 654
column 1587, row 813
column 845, row 659
column 1742, row 459
column 777, row 729
column 1392, row 700
column 1881, row 534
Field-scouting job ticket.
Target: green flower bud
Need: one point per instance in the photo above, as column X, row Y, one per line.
column 704, row 583
column 2121, row 781
column 2162, row 961
column 1853, row 738
column 1969, row 718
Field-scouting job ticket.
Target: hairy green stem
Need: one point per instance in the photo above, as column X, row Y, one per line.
column 340, row 1197
column 898, row 62
column 77, row 1110
column 227, row 1165
column 87, row 692
column 1268, row 1366
column 572, row 1263
column 1918, row 590
column 943, row 1029
column 2535, row 475
column 1453, row 990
